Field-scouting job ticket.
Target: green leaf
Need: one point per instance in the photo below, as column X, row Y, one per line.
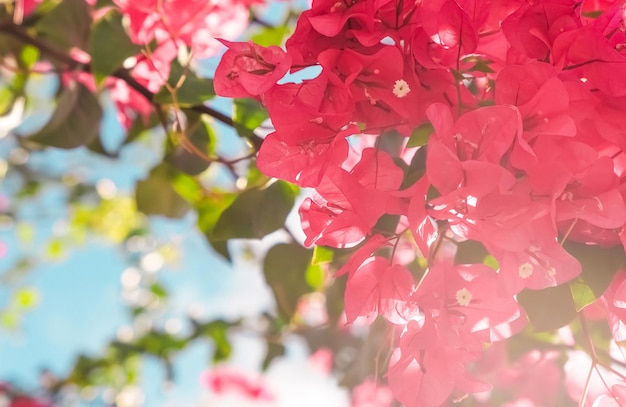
column 67, row 25
column 592, row 14
column 156, row 195
column 581, row 293
column 322, row 255
column 315, row 277
column 109, row 46
column 458, row 76
column 416, row 169
column 160, row 343
column 209, row 209
column 387, row 224
column 491, row 261
column 470, row 252
column 599, row 264
column 218, row 332
column 140, row 127
column 254, row 177
column 202, row 136
column 256, row 212
column 29, row 56
column 334, row 299
column 7, row 99
column 97, row 147
column 285, row 267
column 420, row 135
column 187, row 187
column 158, row 290
column 274, row 350
column 248, row 114
column 190, row 90
column 271, row 35
column 391, row 141
column 221, row 248
column 481, row 66
column 75, row 122
column 550, row 308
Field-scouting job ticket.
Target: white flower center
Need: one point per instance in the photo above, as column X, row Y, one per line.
column 525, row 270
column 401, row 88
column 463, row 297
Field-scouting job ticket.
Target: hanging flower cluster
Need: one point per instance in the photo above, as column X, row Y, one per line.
column 172, row 24
column 161, row 29
column 438, row 122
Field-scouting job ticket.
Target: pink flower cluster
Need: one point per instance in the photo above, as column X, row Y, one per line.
column 14, row 399
column 170, row 25
column 230, row 386
column 512, row 116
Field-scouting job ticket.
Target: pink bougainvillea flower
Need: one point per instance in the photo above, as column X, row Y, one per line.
column 540, row 96
column 533, row 380
column 378, row 288
column 533, row 28
column 129, row 103
column 612, row 306
column 316, row 109
column 425, row 370
column 448, row 25
column 516, row 110
column 376, row 82
column 357, row 200
column 24, row 401
column 194, row 23
column 598, row 385
column 466, row 298
column 322, row 361
column 303, row 164
column 596, row 57
column 247, row 69
column 27, row 6
column 224, row 380
column 370, row 394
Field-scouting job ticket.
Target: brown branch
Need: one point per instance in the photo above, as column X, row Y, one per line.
column 21, row 34
column 256, row 20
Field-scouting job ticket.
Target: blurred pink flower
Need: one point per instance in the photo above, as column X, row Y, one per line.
column 223, row 380
column 4, row 203
column 322, row 361
column 195, row 23
column 533, row 380
column 28, row 6
column 369, row 394
column 604, row 388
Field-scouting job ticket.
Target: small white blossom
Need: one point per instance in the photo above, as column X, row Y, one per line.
column 525, row 270
column 401, row 88
column 463, row 297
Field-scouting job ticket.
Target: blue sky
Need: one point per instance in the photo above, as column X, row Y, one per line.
column 80, row 305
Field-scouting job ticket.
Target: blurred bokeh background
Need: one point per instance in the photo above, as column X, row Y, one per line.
column 83, row 274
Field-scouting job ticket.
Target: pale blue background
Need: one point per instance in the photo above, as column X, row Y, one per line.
column 80, row 309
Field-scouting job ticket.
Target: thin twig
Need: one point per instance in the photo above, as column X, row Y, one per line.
column 21, row 34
